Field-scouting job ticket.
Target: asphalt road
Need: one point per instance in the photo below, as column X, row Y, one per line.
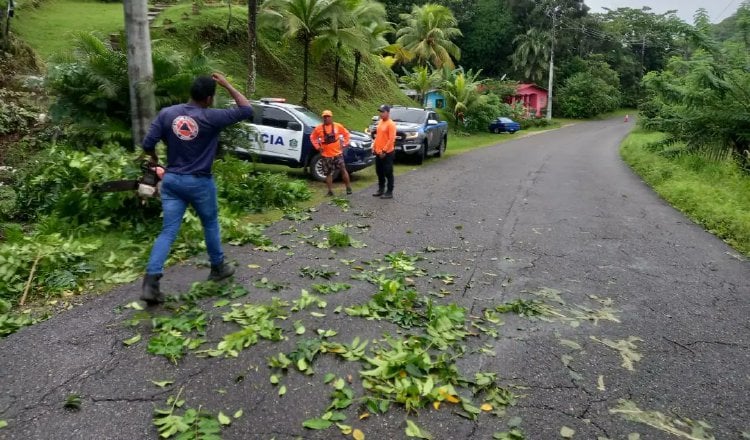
column 650, row 313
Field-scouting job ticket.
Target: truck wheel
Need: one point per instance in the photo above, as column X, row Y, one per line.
column 316, row 169
column 421, row 154
column 441, row 148
column 497, row 130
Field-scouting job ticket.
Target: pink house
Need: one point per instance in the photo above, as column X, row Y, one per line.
column 533, row 97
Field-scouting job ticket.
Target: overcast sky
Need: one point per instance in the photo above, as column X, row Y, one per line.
column 717, row 9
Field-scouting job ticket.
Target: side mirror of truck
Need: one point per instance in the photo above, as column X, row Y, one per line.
column 432, row 122
column 296, row 126
column 375, row 118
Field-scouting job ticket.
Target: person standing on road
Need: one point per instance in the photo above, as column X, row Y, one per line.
column 329, row 138
column 191, row 134
column 384, row 149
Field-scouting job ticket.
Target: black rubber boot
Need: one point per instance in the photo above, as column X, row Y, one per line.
column 151, row 293
column 220, row 272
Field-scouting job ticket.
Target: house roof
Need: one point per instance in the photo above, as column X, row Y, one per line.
column 530, row 87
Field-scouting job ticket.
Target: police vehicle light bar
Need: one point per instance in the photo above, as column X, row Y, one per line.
column 267, row 100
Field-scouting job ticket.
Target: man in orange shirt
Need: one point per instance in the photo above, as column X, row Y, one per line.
column 329, row 138
column 384, row 149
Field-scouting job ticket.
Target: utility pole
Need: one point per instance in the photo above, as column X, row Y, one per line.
column 140, row 68
column 551, row 63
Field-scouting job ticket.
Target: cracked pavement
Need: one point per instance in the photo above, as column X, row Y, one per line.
column 557, row 210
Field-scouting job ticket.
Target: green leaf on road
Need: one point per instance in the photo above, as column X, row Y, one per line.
column 282, row 390
column 566, row 432
column 237, row 414
column 3, row 424
column 163, row 383
column 414, row 431
column 317, row 423
column 130, row 341
column 135, row 305
column 224, row 419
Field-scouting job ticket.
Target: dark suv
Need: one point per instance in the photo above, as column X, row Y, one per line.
column 419, row 132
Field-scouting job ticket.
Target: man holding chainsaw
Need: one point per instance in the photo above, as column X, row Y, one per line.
column 191, row 133
column 330, row 138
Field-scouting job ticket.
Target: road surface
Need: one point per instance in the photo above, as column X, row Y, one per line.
column 644, row 330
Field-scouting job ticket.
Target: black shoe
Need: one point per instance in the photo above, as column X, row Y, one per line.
column 388, row 195
column 378, row 194
column 151, row 293
column 329, row 194
column 220, row 272
column 348, row 191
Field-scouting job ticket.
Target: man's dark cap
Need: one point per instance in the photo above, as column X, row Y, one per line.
column 384, row 108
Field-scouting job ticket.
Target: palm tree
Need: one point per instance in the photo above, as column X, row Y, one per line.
column 345, row 32
column 421, row 79
column 306, row 20
column 373, row 35
column 369, row 20
column 532, row 53
column 461, row 95
column 427, row 33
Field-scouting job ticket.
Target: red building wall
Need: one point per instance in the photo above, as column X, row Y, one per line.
column 533, row 97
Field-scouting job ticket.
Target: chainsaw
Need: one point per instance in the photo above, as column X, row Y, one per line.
column 146, row 186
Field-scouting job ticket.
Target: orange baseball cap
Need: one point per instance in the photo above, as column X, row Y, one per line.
column 327, row 113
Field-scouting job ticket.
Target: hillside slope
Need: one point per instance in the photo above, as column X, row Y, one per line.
column 221, row 34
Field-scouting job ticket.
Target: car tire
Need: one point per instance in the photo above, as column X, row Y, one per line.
column 442, row 147
column 421, row 154
column 316, row 169
column 496, row 130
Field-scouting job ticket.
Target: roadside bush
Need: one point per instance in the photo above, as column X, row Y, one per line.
column 244, row 190
column 584, row 95
column 533, row 121
column 484, row 112
column 61, row 183
column 14, row 117
column 51, row 261
column 92, row 94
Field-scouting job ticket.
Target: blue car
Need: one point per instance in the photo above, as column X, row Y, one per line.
column 504, row 125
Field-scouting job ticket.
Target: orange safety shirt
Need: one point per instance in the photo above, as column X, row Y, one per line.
column 385, row 137
column 332, row 149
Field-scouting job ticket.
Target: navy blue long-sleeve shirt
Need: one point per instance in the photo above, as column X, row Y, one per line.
column 191, row 134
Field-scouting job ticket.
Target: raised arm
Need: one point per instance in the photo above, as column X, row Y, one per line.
column 238, row 97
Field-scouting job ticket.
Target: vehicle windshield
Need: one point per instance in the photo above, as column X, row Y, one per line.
column 413, row 116
column 308, row 118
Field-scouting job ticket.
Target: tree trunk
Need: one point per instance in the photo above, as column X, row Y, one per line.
column 336, row 75
column 357, row 60
column 140, row 68
column 252, row 37
column 10, row 10
column 304, row 70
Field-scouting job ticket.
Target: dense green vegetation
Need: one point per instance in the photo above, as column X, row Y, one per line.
column 714, row 194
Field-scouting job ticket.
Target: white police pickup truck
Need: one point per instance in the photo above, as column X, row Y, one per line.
column 284, row 131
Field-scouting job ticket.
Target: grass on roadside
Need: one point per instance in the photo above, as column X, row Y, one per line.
column 714, row 194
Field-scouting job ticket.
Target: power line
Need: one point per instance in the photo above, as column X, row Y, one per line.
column 731, row 2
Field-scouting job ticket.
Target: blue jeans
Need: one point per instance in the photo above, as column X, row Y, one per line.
column 177, row 192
